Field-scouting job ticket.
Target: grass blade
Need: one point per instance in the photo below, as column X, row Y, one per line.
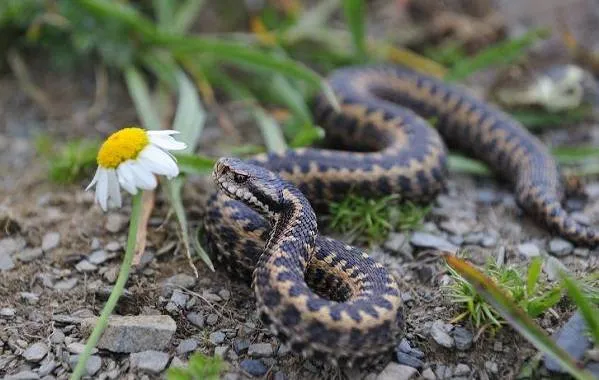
column 195, row 164
column 588, row 311
column 271, row 131
column 139, row 92
column 190, row 115
column 354, row 11
column 534, row 270
column 515, row 316
column 185, row 15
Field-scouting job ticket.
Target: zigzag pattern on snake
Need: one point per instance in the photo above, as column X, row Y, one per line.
column 326, row 297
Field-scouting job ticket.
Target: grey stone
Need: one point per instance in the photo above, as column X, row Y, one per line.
column 406, row 359
column 78, row 347
column 461, row 370
column 529, row 249
column 462, row 338
column 57, row 337
column 279, row 375
column 85, row 266
column 491, row 367
column 115, row 223
column 23, row 375
column 426, row 240
column 47, row 366
column 6, row 262
column 428, row 374
column 211, row 296
column 30, row 298
column 97, row 257
column 67, row 284
column 187, row 345
column 212, row 319
column 221, row 350
column 217, row 337
column 260, row 350
column 582, row 252
column 29, row 254
column 394, row 371
column 457, row 226
column 50, row 241
column 134, row 333
column 36, row 352
column 440, row 335
column 151, row 361
column 443, row 372
column 7, row 312
column 224, row 294
column 560, row 247
column 113, row 246
column 253, row 367
column 571, row 337
column 241, row 346
column 180, row 280
column 179, row 298
column 396, row 242
column 10, row 246
column 196, row 319
column 93, row 365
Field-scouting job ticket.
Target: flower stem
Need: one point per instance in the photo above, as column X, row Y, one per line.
column 116, row 293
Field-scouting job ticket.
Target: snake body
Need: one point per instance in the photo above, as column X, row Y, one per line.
column 325, row 297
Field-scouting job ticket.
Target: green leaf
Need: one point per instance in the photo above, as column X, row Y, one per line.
column 588, row 311
column 190, row 115
column 291, row 97
column 139, row 92
column 461, row 164
column 194, row 164
column 354, row 11
column 534, row 270
column 538, row 305
column 185, row 15
column 271, row 131
column 163, row 11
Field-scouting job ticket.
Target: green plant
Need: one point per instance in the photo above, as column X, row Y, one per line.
column 527, row 290
column 371, row 219
column 200, row 367
column 70, row 162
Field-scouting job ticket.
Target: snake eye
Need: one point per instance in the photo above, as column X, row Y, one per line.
column 240, row 178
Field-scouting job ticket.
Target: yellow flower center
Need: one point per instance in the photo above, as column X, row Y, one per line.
column 121, row 146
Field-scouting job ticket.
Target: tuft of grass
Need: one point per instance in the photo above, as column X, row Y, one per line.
column 371, row 219
column 528, row 290
column 200, row 367
column 70, row 162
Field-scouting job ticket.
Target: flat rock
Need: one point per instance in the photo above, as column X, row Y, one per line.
column 29, row 254
column 180, row 280
column 394, row 371
column 260, row 350
column 77, row 348
column 196, row 319
column 462, row 338
column 572, row 338
column 67, row 284
column 426, row 240
column 560, row 247
column 440, row 335
column 10, row 246
column 7, row 312
column 151, row 361
column 6, row 262
column 85, row 266
column 115, row 222
column 50, row 241
column 93, row 365
column 134, row 333
column 529, row 249
column 23, row 375
column 253, row 367
column 407, row 359
column 97, row 257
column 217, row 337
column 187, row 345
column 36, row 352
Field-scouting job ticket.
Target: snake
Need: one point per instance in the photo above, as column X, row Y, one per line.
column 331, row 300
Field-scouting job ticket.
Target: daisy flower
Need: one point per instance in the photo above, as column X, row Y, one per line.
column 130, row 158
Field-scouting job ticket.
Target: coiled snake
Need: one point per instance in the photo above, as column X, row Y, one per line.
column 325, row 297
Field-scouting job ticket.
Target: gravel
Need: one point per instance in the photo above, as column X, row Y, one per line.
column 462, row 338
column 529, row 249
column 426, row 240
column 187, row 345
column 571, row 337
column 6, row 262
column 29, row 254
column 439, row 334
column 560, row 247
column 151, row 361
column 50, row 241
column 394, row 371
column 260, row 350
column 97, row 257
column 406, row 359
column 93, row 365
column 253, row 367
column 196, row 319
column 217, row 337
column 36, row 352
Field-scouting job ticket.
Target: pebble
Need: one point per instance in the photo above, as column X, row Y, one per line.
column 224, row 294
column 196, row 319
column 582, row 252
column 217, row 337
column 23, row 375
column 57, row 337
column 279, row 375
column 426, row 240
column 260, row 350
column 30, row 254
column 529, row 249
column 150, row 360
column 115, row 223
column 180, row 280
column 211, row 319
column 461, row 370
column 97, row 257
column 571, row 337
column 396, row 242
column 48, row 365
column 31, row 298
column 428, row 374
column 10, row 246
column 6, row 262
column 440, row 335
column 491, row 367
column 77, row 348
column 403, row 358
column 112, row 246
column 462, row 338
column 85, row 266
column 50, row 241
column 179, row 298
column 93, row 365
column 35, row 352
column 394, row 371
column 221, row 350
column 134, row 333
column 66, row 284
column 443, row 372
column 457, row 226
column 187, row 345
column 241, row 346
column 253, row 367
column 7, row 312
column 560, row 247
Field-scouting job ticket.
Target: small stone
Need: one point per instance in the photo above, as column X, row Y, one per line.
column 179, row 298
column 560, row 247
column 221, row 351
column 462, row 337
column 66, row 284
column 241, row 346
column 396, row 242
column 529, row 250
column 6, row 262
column 47, row 365
column 497, row 346
column 224, row 294
column 461, row 370
column 95, row 243
column 253, row 367
column 260, row 350
column 85, row 266
column 134, row 333
column 93, row 365
column 23, row 375
column 404, row 346
column 439, row 334
column 211, row 296
column 7, row 312
column 36, row 352
column 426, row 240
column 28, row 255
column 443, row 372
column 572, row 339
column 10, row 246
column 428, row 374
column 217, row 337
column 394, row 371
column 187, row 345
column 30, row 298
column 180, row 280
column 489, row 241
column 457, row 226
column 77, row 348
column 406, row 359
column 150, row 361
column 50, row 241
column 212, row 319
column 97, row 257
column 283, row 350
column 491, row 367
column 110, row 274
column 196, row 319
column 582, row 252
column 115, row 223
column 279, row 375
column 112, row 246
column 57, row 337
column 177, row 363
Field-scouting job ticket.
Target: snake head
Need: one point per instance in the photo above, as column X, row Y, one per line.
column 253, row 185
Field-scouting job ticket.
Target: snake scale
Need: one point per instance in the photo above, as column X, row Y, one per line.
column 329, row 299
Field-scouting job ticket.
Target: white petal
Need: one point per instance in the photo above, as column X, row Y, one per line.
column 167, row 143
column 94, row 180
column 102, row 188
column 114, row 191
column 144, row 179
column 163, row 132
column 126, row 177
column 159, row 161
